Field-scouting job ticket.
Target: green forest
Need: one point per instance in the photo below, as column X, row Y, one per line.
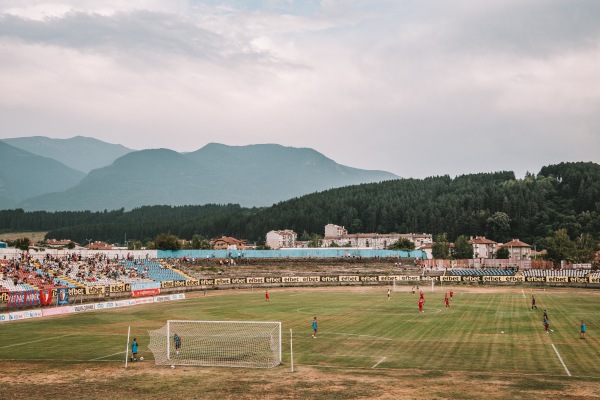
column 564, row 196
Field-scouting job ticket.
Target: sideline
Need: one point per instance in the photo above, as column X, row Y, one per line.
column 561, row 360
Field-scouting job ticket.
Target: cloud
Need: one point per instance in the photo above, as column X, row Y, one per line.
column 418, row 88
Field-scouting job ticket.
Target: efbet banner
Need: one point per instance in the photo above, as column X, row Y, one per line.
column 62, row 296
column 24, row 298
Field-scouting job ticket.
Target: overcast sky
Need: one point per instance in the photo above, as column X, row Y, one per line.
column 417, row 88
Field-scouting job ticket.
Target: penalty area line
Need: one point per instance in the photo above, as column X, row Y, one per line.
column 379, row 362
column 561, row 360
column 110, row 355
column 34, row 341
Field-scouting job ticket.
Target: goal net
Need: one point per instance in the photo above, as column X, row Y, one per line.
column 217, row 343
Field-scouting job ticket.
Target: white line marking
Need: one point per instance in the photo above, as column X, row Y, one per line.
column 379, row 362
column 367, row 336
column 561, row 360
column 35, row 341
column 110, row 355
column 522, row 291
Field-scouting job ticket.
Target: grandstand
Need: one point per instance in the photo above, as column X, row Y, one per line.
column 571, row 273
column 483, row 272
column 155, row 270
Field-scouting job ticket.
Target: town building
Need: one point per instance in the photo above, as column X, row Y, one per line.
column 228, row 243
column 338, row 236
column 98, row 246
column 482, row 247
column 53, row 243
column 518, row 250
column 282, row 238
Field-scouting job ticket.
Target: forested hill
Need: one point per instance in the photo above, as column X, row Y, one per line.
column 496, row 205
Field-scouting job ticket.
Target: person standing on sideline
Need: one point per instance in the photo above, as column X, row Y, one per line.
column 314, row 326
column 533, row 302
column 582, row 330
column 421, row 305
column 267, row 295
column 134, row 350
column 388, row 294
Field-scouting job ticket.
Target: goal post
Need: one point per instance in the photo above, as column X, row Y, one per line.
column 245, row 344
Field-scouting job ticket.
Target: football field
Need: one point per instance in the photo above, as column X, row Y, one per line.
column 487, row 335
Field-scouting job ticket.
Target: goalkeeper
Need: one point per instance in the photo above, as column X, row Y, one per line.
column 177, row 340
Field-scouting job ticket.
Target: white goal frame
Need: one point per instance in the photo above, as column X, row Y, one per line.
column 245, row 344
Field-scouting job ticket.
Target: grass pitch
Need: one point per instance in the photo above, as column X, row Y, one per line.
column 489, row 342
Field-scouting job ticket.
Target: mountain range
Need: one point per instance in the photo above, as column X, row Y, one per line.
column 252, row 176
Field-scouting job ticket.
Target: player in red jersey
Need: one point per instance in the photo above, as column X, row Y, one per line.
column 267, row 295
column 422, row 296
column 451, row 294
column 447, row 301
column 421, row 305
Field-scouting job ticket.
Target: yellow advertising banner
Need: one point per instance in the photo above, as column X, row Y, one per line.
column 120, row 288
column 503, row 278
column 95, row 290
column 300, row 279
column 557, row 279
column 450, row 278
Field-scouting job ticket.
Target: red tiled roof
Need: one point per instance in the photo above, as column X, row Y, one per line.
column 481, row 240
column 515, row 243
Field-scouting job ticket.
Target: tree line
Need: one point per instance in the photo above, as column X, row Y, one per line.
column 562, row 197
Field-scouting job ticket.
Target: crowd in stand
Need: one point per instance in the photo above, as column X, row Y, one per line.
column 26, row 273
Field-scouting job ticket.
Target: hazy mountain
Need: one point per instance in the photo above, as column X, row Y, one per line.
column 81, row 153
column 256, row 175
column 23, row 175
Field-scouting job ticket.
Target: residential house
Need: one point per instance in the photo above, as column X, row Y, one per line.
column 482, row 247
column 228, row 243
column 518, row 250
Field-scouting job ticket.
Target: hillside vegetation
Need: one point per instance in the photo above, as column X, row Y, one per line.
column 563, row 196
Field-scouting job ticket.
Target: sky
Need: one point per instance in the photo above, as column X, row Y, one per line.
column 415, row 87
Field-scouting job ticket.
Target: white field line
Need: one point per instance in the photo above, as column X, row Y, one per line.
column 522, row 291
column 35, row 341
column 379, row 362
column 110, row 355
column 365, row 336
column 54, row 359
column 561, row 360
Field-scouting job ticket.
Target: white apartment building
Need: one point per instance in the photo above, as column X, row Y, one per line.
column 335, row 230
column 283, row 238
column 339, row 236
column 482, row 247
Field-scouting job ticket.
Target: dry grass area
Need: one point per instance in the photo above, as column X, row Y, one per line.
column 33, row 236
column 26, row 381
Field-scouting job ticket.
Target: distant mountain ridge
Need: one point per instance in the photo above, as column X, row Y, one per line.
column 23, row 175
column 81, row 153
column 254, row 175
